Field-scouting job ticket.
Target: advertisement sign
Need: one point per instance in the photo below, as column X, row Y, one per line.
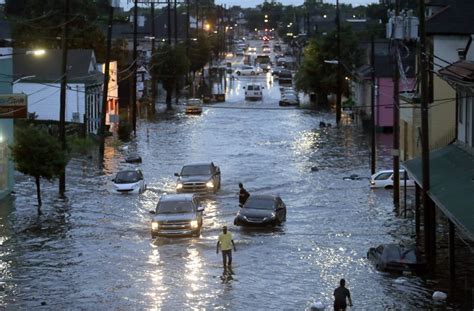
column 13, row 106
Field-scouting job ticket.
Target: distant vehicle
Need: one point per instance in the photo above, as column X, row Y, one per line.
column 261, row 210
column 129, row 181
column 199, row 177
column 194, row 106
column 239, row 52
column 289, row 99
column 277, row 48
column 177, row 214
column 252, row 50
column 265, row 38
column 248, row 70
column 276, row 71
column 266, row 50
column 396, row 258
column 384, row 179
column 285, row 77
column 253, row 91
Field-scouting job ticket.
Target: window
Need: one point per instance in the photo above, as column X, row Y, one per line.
column 461, row 107
column 383, row 176
column 250, row 88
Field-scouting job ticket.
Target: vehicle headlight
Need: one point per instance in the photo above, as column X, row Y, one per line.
column 154, row 226
column 210, row 184
column 372, row 182
column 179, row 186
column 194, row 224
column 273, row 215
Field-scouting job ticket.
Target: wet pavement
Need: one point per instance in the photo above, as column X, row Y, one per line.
column 94, row 251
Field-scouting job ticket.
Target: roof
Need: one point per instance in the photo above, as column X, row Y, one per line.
column 460, row 71
column 454, row 19
column 451, row 184
column 263, row 196
column 198, row 164
column 177, row 197
column 81, row 64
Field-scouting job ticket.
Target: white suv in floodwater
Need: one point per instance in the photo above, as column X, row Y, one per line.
column 384, row 179
column 253, row 91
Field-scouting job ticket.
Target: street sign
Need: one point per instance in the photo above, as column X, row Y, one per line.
column 13, row 106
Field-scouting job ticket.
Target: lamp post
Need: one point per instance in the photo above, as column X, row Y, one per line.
column 339, row 84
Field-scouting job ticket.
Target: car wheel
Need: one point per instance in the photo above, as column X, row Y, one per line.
column 238, row 73
column 389, row 187
column 252, row 73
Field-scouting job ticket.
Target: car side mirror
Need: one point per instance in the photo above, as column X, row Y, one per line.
column 243, row 87
column 152, row 212
column 263, row 87
column 176, row 174
column 200, row 209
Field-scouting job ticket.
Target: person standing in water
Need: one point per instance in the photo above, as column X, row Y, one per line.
column 226, row 243
column 340, row 295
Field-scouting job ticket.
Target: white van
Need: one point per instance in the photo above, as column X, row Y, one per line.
column 253, row 91
column 384, row 179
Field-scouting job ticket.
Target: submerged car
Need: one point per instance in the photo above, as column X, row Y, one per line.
column 261, row 210
column 248, row 70
column 289, row 99
column 129, row 181
column 396, row 258
column 199, row 177
column 194, row 106
column 384, row 179
column 177, row 214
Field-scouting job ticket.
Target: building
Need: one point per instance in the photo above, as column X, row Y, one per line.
column 40, row 79
column 112, row 117
column 6, row 127
column 384, row 73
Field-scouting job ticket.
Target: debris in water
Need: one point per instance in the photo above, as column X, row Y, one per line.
column 439, row 295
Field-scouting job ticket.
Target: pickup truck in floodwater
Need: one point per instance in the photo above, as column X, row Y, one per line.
column 199, row 177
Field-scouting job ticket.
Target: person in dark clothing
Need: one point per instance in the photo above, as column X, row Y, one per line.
column 243, row 195
column 340, row 295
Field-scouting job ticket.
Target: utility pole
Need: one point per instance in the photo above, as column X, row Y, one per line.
column 196, row 6
column 105, row 88
column 187, row 28
column 153, row 58
column 169, row 21
column 396, row 115
column 429, row 214
column 339, row 84
column 62, row 108
column 134, row 66
column 175, row 22
column 372, row 108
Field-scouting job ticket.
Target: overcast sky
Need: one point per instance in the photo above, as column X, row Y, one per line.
column 254, row 3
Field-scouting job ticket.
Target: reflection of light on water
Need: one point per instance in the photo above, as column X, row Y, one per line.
column 307, row 141
column 194, row 268
column 158, row 291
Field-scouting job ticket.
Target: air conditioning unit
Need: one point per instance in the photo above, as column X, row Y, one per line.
column 411, row 27
column 76, row 117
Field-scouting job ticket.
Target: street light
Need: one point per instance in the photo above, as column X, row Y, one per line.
column 29, row 52
column 207, row 26
column 23, row 78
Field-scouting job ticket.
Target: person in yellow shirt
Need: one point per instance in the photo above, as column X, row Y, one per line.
column 225, row 242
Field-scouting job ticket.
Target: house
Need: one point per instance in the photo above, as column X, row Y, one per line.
column 6, row 127
column 384, row 72
column 112, row 110
column 451, row 166
column 40, row 79
column 448, row 34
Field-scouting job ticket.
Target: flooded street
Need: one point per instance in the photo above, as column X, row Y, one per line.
column 94, row 251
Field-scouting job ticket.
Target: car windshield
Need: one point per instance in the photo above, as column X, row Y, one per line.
column 127, row 177
column 191, row 170
column 259, row 203
column 194, row 102
column 383, row 176
column 250, row 88
column 174, row 207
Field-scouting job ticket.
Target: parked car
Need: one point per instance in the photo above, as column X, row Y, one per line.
column 252, row 50
column 194, row 106
column 239, row 52
column 253, row 91
column 289, row 99
column 285, row 77
column 384, row 179
column 396, row 258
column 266, row 50
column 199, row 177
column 177, row 214
column 276, row 71
column 129, row 181
column 261, row 210
column 248, row 70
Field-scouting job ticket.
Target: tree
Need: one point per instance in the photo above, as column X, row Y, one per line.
column 171, row 65
column 314, row 75
column 199, row 53
column 38, row 154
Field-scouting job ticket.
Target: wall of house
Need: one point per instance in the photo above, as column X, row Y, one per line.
column 466, row 117
column 6, row 128
column 44, row 100
column 384, row 100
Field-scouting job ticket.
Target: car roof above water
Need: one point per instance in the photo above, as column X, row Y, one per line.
column 198, row 164
column 181, row 197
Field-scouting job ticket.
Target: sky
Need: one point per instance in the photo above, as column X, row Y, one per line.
column 254, row 3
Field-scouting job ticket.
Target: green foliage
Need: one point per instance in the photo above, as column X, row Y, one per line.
column 171, row 65
column 314, row 75
column 38, row 154
column 37, row 23
column 199, row 53
column 81, row 145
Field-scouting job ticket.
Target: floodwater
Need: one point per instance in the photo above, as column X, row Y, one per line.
column 94, row 250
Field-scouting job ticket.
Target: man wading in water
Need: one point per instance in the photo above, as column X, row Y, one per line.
column 226, row 243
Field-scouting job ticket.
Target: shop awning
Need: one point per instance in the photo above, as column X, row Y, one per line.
column 451, row 184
